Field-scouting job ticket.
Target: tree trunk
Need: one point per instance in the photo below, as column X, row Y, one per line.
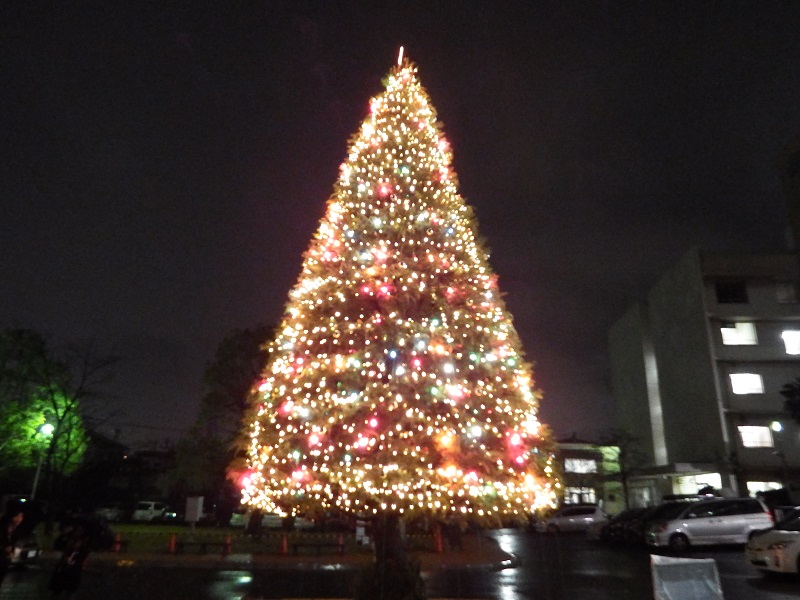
column 393, row 575
column 389, row 544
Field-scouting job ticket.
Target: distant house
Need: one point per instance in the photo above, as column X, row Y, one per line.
column 697, row 371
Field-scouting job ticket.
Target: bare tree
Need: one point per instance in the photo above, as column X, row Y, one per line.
column 630, row 456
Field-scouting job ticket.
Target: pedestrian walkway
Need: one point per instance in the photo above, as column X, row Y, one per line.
column 22, row 585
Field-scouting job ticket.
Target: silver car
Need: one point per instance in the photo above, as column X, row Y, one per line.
column 572, row 518
column 706, row 522
column 26, row 551
column 109, row 512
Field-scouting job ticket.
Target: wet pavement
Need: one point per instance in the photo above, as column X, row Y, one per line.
column 502, row 565
column 155, row 576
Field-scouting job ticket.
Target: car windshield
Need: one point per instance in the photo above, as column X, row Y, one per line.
column 790, row 524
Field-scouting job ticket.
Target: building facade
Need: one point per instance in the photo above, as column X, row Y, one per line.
column 697, row 371
column 590, row 473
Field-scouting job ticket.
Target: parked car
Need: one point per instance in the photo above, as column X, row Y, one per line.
column 26, row 551
column 26, row 548
column 778, row 549
column 594, row 531
column 783, row 513
column 635, row 529
column 109, row 512
column 613, row 530
column 150, row 511
column 275, row 521
column 718, row 521
column 572, row 517
column 241, row 517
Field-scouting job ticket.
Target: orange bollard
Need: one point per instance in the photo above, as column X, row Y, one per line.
column 117, row 545
column 226, row 547
column 437, row 538
column 171, row 546
column 284, row 544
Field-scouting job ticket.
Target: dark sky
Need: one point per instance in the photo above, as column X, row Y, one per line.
column 164, row 164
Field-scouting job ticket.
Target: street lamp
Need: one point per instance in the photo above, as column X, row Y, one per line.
column 46, row 429
column 777, row 427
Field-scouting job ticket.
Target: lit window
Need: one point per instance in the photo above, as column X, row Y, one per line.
column 753, row 487
column 791, row 339
column 738, row 334
column 755, row 436
column 579, row 495
column 747, row 383
column 785, row 292
column 692, row 484
column 580, row 465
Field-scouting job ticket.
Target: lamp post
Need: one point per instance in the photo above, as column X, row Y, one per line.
column 46, row 430
column 777, row 427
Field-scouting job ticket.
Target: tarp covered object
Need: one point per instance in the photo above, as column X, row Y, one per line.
column 685, row 578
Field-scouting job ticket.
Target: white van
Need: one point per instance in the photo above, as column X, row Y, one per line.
column 572, row 517
column 717, row 521
column 150, row 511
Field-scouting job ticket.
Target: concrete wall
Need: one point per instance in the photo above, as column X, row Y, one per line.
column 628, row 378
column 692, row 420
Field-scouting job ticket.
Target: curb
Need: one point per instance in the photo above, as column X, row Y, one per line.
column 476, row 559
column 242, row 562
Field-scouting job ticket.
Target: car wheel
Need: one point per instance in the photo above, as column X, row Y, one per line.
column 679, row 543
column 552, row 528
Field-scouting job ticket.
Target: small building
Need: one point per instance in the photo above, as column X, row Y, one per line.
column 590, row 473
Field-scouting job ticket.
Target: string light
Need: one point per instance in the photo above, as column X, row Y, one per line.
column 396, row 378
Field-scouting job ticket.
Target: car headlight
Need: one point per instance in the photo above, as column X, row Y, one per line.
column 780, row 545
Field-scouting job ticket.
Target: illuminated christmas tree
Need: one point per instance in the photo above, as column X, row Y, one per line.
column 396, row 381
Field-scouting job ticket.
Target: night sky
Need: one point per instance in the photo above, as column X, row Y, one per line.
column 164, row 165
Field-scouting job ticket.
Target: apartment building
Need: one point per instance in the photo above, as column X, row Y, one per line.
column 697, row 371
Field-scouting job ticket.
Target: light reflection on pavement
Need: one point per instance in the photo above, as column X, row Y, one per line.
column 230, row 585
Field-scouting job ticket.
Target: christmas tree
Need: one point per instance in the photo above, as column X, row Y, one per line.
column 396, row 380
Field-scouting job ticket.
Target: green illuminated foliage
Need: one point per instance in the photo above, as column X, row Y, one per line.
column 39, row 388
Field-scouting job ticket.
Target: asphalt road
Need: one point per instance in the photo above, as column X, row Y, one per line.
column 563, row 567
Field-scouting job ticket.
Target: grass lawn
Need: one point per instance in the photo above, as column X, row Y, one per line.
column 155, row 538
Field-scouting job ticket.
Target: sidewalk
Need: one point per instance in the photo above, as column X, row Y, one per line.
column 478, row 551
